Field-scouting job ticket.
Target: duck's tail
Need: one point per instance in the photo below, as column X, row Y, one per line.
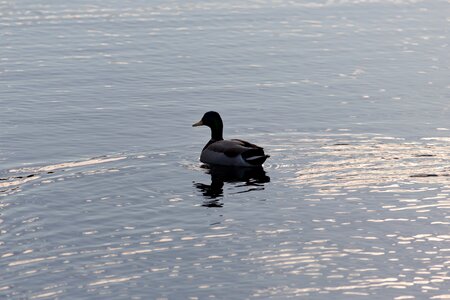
column 255, row 157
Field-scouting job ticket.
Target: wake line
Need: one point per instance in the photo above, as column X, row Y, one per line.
column 36, row 171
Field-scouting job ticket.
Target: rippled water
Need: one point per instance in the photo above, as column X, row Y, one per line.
column 101, row 191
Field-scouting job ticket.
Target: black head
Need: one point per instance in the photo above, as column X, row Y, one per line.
column 213, row 120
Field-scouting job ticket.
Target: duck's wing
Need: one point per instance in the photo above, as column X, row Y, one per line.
column 235, row 147
column 240, row 152
column 230, row 148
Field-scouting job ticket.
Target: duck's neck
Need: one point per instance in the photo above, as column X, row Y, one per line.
column 217, row 131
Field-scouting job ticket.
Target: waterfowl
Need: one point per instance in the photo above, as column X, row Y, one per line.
column 233, row 152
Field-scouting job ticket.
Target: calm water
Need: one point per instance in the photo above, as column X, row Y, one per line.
column 101, row 191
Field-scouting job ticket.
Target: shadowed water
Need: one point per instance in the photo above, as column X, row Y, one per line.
column 101, row 191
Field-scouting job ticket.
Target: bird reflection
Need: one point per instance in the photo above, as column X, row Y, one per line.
column 251, row 178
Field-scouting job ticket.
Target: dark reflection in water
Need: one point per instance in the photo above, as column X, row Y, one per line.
column 252, row 179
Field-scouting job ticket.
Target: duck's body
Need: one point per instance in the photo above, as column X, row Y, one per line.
column 233, row 152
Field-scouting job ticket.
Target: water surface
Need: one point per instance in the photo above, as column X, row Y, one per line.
column 101, row 191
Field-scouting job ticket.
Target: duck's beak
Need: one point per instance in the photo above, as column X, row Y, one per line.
column 199, row 123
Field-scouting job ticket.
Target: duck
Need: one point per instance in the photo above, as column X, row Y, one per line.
column 233, row 152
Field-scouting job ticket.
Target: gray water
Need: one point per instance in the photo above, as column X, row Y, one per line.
column 102, row 195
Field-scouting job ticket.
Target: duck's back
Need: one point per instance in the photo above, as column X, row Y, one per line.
column 233, row 153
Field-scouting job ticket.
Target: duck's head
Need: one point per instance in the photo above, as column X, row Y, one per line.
column 213, row 120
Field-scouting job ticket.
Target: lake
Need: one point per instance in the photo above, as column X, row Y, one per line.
column 102, row 195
